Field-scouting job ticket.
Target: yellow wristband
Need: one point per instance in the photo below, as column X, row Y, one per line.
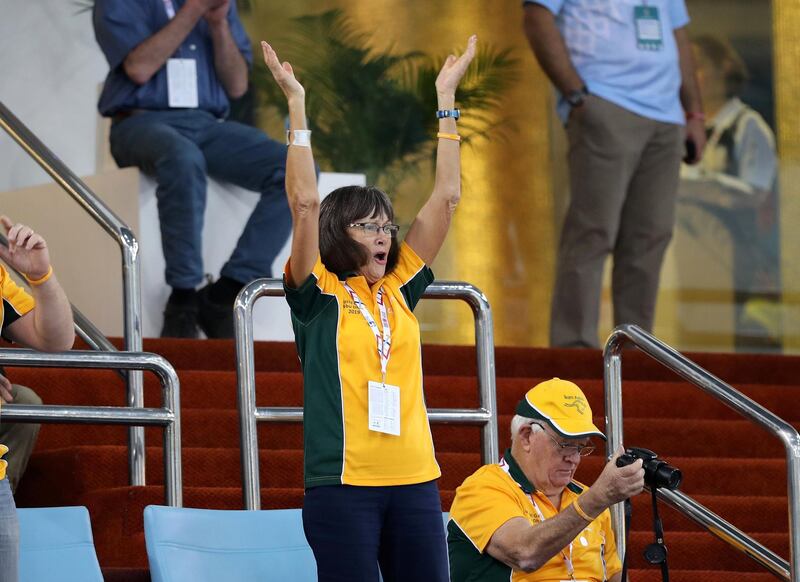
column 41, row 280
column 453, row 136
column 579, row 510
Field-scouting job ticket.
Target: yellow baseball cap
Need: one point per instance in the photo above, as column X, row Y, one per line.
column 562, row 405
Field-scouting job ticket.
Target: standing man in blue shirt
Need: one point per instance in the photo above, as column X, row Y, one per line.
column 174, row 65
column 629, row 99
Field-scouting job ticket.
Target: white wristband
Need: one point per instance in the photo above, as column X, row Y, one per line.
column 298, row 137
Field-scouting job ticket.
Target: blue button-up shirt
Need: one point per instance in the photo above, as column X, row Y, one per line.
column 601, row 39
column 122, row 25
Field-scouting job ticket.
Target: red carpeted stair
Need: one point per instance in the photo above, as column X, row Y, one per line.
column 729, row 464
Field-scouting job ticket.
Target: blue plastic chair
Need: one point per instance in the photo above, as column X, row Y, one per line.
column 56, row 545
column 199, row 545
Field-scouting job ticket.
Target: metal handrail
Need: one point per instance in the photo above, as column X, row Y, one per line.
column 168, row 416
column 728, row 395
column 131, row 295
column 249, row 414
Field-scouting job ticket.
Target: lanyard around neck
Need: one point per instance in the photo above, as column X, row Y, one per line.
column 383, row 341
column 567, row 559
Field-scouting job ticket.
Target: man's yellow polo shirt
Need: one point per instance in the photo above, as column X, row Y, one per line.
column 15, row 303
column 497, row 493
column 339, row 357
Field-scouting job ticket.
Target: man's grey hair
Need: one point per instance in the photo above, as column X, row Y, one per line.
column 520, row 421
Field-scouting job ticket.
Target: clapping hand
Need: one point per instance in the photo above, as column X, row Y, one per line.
column 217, row 12
column 453, row 69
column 283, row 74
column 27, row 251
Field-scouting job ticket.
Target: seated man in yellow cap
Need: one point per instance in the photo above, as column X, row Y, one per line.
column 526, row 519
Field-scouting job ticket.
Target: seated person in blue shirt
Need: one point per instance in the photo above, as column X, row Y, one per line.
column 174, row 65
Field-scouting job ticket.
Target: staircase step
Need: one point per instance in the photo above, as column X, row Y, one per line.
column 219, row 428
column 642, row 399
column 702, row 551
column 101, row 466
column 750, row 514
column 509, row 361
column 97, row 467
column 672, row 437
column 714, row 476
column 654, row 575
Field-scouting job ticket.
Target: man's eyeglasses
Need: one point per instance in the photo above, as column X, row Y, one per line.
column 567, row 448
column 372, row 228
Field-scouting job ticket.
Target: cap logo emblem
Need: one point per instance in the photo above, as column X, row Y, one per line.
column 577, row 402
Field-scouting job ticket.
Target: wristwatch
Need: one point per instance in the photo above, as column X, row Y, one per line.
column 576, row 98
column 443, row 113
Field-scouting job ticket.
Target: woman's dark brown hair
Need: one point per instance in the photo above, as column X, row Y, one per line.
column 339, row 253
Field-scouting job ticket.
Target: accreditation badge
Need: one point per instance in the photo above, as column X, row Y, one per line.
column 182, row 83
column 648, row 28
column 384, row 408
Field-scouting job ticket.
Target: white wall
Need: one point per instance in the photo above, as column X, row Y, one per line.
column 50, row 70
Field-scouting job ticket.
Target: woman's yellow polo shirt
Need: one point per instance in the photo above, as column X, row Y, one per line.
column 339, row 357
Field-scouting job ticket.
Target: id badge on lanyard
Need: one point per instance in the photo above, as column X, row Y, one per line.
column 384, row 399
column 181, row 75
column 647, row 22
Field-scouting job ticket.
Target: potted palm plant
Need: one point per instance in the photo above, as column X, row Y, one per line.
column 372, row 112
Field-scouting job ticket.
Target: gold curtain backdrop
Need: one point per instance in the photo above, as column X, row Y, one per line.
column 504, row 235
column 786, row 43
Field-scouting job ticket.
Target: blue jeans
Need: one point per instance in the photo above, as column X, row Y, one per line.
column 353, row 530
column 9, row 535
column 179, row 149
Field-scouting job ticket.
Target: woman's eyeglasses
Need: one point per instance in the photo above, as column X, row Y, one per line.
column 372, row 228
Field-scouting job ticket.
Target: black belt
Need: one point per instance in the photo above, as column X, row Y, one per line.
column 123, row 115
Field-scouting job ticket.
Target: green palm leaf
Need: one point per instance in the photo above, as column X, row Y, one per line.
column 371, row 111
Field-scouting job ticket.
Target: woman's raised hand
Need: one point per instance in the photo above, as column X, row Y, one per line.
column 453, row 69
column 283, row 73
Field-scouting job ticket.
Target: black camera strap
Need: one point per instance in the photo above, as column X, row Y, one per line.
column 628, row 514
column 655, row 553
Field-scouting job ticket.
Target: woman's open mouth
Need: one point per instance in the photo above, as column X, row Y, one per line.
column 380, row 257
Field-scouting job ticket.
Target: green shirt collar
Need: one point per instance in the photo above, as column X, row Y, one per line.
column 516, row 473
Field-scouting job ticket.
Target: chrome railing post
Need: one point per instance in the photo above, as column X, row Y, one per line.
column 250, row 414
column 728, row 395
column 246, row 380
column 484, row 352
column 792, row 444
column 173, row 468
column 115, row 227
column 132, row 322
column 612, row 376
